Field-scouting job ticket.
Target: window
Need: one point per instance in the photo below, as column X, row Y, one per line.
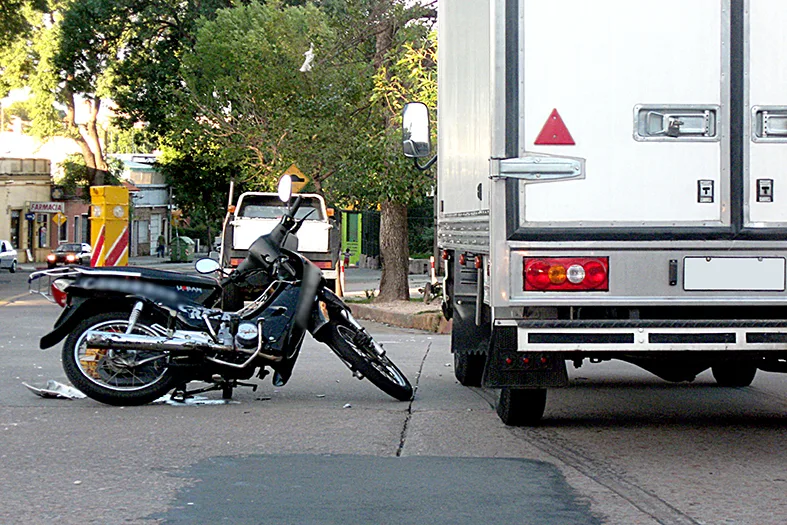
column 85, row 237
column 62, row 235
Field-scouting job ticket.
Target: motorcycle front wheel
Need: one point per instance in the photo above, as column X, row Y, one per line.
column 115, row 377
column 357, row 348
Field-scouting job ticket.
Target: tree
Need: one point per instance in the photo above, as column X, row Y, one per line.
column 340, row 121
column 403, row 55
column 200, row 184
column 61, row 66
column 13, row 19
column 245, row 92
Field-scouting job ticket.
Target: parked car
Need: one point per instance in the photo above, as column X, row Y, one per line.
column 8, row 258
column 70, row 253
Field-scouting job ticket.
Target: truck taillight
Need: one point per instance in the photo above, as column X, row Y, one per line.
column 325, row 265
column 566, row 274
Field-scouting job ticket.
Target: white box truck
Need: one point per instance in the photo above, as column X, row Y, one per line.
column 628, row 166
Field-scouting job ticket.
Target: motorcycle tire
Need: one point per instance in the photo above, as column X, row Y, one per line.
column 364, row 355
column 110, row 376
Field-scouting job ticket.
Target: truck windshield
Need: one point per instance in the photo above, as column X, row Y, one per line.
column 259, row 207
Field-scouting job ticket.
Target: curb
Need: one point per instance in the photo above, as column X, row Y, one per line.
column 428, row 322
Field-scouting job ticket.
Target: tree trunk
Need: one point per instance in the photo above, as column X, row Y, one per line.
column 394, row 251
column 86, row 137
column 395, row 256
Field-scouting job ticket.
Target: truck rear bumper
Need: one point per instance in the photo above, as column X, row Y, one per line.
column 647, row 335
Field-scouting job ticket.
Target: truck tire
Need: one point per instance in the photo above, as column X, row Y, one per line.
column 521, row 407
column 231, row 298
column 734, row 374
column 469, row 368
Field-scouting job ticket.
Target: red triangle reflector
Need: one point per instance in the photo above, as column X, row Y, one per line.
column 554, row 132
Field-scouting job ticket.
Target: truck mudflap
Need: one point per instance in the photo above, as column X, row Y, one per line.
column 533, row 336
column 507, row 366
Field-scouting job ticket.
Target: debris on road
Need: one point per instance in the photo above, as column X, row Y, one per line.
column 56, row 390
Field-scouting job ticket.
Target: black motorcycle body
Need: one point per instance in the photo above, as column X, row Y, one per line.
column 134, row 334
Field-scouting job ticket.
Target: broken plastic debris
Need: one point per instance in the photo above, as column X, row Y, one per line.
column 320, row 395
column 56, row 390
column 348, row 405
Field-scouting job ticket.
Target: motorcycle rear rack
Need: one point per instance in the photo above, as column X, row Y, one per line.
column 40, row 282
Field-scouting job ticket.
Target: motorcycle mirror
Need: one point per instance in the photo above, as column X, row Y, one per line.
column 206, row 265
column 285, row 188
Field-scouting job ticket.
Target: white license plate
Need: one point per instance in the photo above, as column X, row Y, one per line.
column 755, row 274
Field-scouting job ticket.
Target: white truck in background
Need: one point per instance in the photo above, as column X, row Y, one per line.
column 628, row 198
column 256, row 213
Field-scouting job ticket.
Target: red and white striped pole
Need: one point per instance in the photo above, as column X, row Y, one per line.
column 432, row 273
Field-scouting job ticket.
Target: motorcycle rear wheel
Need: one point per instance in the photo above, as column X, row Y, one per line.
column 111, row 376
column 366, row 356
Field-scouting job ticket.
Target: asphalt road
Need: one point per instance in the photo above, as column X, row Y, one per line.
column 619, row 446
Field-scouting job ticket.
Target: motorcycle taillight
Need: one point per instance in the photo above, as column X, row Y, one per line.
column 59, row 291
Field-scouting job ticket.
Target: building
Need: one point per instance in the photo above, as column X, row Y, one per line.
column 151, row 204
column 29, row 216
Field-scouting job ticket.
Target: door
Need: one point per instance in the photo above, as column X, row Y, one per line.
column 155, row 231
column 765, row 139
column 639, row 92
column 351, row 236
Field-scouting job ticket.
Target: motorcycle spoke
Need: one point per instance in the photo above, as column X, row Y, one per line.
column 123, row 369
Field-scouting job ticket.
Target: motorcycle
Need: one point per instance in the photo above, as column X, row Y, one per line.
column 134, row 334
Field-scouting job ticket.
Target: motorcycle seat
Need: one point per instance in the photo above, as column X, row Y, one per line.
column 163, row 276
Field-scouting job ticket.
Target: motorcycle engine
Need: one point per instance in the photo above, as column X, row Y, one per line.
column 247, row 335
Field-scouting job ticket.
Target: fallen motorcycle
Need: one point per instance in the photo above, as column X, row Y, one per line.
column 134, row 334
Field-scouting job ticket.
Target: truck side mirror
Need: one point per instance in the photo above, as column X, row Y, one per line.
column 415, row 130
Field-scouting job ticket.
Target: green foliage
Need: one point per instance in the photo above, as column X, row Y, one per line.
column 244, row 90
column 200, row 183
column 420, row 228
column 14, row 22
column 129, row 140
column 377, row 171
column 77, row 177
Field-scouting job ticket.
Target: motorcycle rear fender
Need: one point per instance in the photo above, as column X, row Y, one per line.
column 79, row 308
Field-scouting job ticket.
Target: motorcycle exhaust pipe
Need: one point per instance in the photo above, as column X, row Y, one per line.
column 119, row 341
column 149, row 343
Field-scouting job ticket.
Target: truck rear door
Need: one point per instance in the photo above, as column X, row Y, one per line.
column 765, row 119
column 642, row 91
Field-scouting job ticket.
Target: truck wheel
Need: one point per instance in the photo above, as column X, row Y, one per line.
column 469, row 368
column 734, row 374
column 521, row 407
column 231, row 298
